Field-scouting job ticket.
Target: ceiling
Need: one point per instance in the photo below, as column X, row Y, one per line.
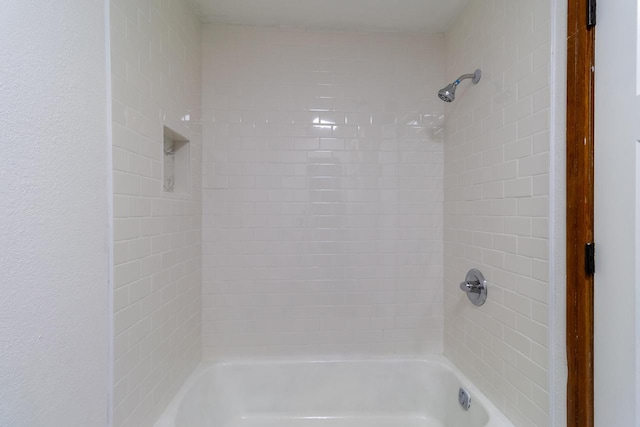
column 430, row 16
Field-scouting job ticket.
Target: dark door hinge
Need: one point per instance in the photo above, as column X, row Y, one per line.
column 591, row 13
column 590, row 258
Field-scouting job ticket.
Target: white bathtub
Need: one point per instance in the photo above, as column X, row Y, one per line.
column 371, row 393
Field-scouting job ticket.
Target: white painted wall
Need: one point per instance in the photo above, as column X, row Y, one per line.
column 617, row 132
column 419, row 16
column 54, row 174
column 322, row 193
column 557, row 218
column 155, row 57
column 496, row 186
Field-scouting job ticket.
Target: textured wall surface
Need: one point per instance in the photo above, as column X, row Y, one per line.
column 496, row 203
column 155, row 48
column 54, row 207
column 557, row 217
column 322, row 193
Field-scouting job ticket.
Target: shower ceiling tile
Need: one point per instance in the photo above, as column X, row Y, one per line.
column 429, row 16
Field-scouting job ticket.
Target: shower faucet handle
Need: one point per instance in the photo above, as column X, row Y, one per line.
column 475, row 287
column 471, row 286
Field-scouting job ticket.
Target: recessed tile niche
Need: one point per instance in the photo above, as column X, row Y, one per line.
column 175, row 173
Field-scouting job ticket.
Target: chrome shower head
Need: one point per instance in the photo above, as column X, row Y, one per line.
column 448, row 94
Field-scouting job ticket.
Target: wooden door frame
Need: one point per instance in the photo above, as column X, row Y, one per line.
column 580, row 208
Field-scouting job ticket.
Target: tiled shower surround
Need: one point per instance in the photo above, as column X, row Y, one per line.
column 496, row 190
column 155, row 64
column 336, row 200
column 322, row 193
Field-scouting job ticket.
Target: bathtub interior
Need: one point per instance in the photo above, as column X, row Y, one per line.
column 323, row 394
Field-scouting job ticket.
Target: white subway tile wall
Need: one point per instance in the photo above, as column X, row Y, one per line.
column 155, row 58
column 496, row 188
column 322, row 193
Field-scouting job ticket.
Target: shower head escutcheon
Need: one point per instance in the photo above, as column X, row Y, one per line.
column 448, row 94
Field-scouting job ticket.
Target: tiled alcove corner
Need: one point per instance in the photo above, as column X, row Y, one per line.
column 175, row 175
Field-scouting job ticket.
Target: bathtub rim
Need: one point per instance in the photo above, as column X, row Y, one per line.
column 496, row 417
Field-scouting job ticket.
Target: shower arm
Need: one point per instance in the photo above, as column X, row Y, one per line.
column 474, row 76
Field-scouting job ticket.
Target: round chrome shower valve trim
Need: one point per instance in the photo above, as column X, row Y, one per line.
column 475, row 287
